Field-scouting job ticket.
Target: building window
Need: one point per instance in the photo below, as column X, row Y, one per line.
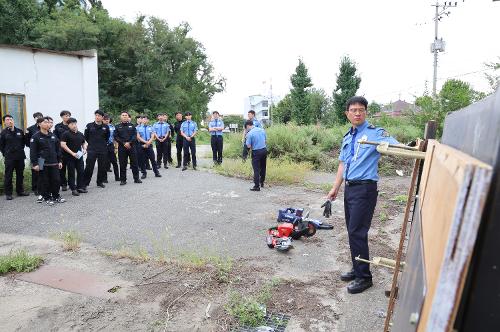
column 14, row 105
column 264, row 112
column 265, row 103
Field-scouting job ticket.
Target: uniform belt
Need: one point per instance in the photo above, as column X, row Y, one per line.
column 358, row 182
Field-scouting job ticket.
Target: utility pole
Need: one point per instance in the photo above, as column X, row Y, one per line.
column 439, row 45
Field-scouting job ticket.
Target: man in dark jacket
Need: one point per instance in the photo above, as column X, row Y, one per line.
column 126, row 137
column 97, row 137
column 59, row 130
column 12, row 143
column 45, row 155
column 179, row 140
column 30, row 131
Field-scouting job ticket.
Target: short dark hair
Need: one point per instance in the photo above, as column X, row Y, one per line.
column 65, row 112
column 40, row 120
column 138, row 117
column 252, row 111
column 7, row 116
column 37, row 115
column 48, row 118
column 125, row 113
column 188, row 113
column 248, row 123
column 101, row 113
column 178, row 113
column 215, row 112
column 356, row 100
column 72, row 120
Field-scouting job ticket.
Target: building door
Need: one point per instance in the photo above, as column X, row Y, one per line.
column 15, row 106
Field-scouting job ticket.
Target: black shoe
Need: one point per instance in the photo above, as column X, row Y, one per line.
column 178, row 166
column 255, row 189
column 194, row 168
column 105, row 181
column 82, row 190
column 348, row 276
column 157, row 175
column 101, row 185
column 137, row 181
column 165, row 166
column 122, row 183
column 143, row 176
column 262, row 184
column 359, row 285
column 64, row 188
column 148, row 168
column 109, row 170
column 184, row 168
column 8, row 197
column 117, row 179
column 75, row 193
column 23, row 194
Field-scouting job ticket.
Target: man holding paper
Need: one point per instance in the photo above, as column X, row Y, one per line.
column 74, row 147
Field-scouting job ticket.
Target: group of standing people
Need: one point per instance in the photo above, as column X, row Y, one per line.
column 57, row 154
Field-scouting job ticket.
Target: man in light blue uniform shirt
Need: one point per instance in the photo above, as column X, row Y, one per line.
column 111, row 149
column 256, row 140
column 358, row 166
column 145, row 138
column 256, row 123
column 162, row 132
column 215, row 127
column 189, row 128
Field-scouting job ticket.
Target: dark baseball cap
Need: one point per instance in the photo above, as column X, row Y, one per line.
column 188, row 113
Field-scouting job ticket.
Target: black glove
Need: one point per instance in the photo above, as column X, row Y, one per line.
column 327, row 212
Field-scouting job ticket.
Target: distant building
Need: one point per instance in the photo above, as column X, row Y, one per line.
column 39, row 80
column 261, row 105
column 398, row 108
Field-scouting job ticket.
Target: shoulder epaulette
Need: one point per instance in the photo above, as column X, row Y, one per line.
column 371, row 126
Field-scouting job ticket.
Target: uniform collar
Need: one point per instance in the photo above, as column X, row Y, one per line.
column 359, row 128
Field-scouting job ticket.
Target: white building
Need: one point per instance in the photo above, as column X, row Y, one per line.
column 261, row 105
column 38, row 80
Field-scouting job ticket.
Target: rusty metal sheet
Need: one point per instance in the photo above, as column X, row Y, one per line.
column 71, row 281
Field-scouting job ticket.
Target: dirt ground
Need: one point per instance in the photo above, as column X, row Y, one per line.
column 191, row 293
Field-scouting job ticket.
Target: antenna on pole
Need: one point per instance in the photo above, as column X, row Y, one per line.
column 439, row 44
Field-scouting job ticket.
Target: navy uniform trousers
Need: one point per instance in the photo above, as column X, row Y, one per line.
column 359, row 205
column 259, row 159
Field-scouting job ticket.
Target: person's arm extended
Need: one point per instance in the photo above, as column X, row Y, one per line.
column 68, row 150
column 338, row 182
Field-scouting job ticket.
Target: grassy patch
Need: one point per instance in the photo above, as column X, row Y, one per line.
column 401, row 199
column 383, row 217
column 279, row 171
column 137, row 254
column 222, row 266
column 71, row 240
column 19, row 261
column 251, row 310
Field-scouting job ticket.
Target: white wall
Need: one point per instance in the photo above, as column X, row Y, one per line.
column 51, row 82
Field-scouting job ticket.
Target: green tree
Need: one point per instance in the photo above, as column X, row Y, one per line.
column 374, row 108
column 282, row 113
column 318, row 104
column 347, row 85
column 454, row 95
column 301, row 82
column 146, row 66
column 18, row 19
